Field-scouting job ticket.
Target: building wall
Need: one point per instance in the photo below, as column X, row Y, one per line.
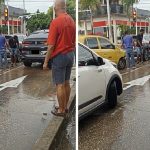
column 14, row 22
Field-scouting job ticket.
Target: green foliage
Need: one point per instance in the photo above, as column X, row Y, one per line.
column 71, row 9
column 124, row 28
column 127, row 5
column 3, row 29
column 86, row 3
column 42, row 20
column 38, row 22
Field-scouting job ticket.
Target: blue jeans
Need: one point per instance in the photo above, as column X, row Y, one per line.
column 130, row 58
column 3, row 59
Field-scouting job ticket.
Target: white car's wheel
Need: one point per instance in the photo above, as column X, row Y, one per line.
column 112, row 95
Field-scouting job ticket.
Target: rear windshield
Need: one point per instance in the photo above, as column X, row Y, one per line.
column 38, row 35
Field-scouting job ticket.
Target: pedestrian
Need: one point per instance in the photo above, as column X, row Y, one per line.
column 61, row 46
column 3, row 53
column 139, row 46
column 127, row 44
column 13, row 44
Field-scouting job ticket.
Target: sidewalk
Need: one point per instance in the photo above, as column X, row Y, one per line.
column 51, row 135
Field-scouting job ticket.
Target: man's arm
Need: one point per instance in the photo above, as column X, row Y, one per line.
column 47, row 57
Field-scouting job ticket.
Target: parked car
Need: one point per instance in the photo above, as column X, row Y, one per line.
column 34, row 48
column 104, row 48
column 99, row 81
column 40, row 31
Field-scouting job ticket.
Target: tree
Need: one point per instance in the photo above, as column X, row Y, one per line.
column 84, row 4
column 38, row 22
column 71, row 8
column 42, row 20
column 127, row 5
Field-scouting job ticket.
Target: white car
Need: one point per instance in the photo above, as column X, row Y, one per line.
column 99, row 81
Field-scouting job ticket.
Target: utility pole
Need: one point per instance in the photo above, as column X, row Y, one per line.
column 109, row 21
column 8, row 26
column 24, row 22
column 136, row 20
column 91, row 18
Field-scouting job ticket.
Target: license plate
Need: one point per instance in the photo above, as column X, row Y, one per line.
column 35, row 52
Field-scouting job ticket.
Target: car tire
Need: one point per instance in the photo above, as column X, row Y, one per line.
column 112, row 95
column 27, row 64
column 122, row 64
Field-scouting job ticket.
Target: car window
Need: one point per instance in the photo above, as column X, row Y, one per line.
column 92, row 43
column 85, row 57
column 106, row 44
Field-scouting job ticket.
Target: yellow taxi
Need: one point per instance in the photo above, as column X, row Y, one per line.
column 104, row 48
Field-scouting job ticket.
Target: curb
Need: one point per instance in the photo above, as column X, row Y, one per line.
column 51, row 136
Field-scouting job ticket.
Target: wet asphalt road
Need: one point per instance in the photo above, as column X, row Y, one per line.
column 127, row 127
column 21, row 109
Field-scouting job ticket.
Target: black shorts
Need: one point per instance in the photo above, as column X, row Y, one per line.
column 61, row 67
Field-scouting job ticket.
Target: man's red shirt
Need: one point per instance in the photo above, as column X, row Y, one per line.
column 62, row 33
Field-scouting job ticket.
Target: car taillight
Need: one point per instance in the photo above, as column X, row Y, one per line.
column 45, row 43
column 26, row 43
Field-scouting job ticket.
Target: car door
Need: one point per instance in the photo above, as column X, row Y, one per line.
column 91, row 81
column 108, row 49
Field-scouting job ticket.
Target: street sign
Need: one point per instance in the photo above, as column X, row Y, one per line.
column 13, row 83
column 139, row 82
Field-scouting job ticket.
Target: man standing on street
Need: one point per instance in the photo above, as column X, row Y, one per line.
column 3, row 54
column 61, row 46
column 139, row 46
column 127, row 44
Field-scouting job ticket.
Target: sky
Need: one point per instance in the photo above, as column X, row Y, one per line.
column 32, row 5
column 144, row 4
column 43, row 5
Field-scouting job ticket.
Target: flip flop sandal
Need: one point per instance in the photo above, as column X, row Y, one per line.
column 56, row 113
column 56, row 107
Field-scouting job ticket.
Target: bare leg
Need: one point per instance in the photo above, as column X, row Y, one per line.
column 61, row 95
column 67, row 89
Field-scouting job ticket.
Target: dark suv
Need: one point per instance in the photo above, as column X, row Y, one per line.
column 35, row 47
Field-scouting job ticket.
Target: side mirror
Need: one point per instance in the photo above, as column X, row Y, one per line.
column 100, row 61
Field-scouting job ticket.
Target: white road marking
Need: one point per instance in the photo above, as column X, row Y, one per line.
column 13, row 83
column 134, row 69
column 12, row 69
column 140, row 82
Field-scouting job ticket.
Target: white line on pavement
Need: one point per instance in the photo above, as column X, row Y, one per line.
column 134, row 69
column 12, row 69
